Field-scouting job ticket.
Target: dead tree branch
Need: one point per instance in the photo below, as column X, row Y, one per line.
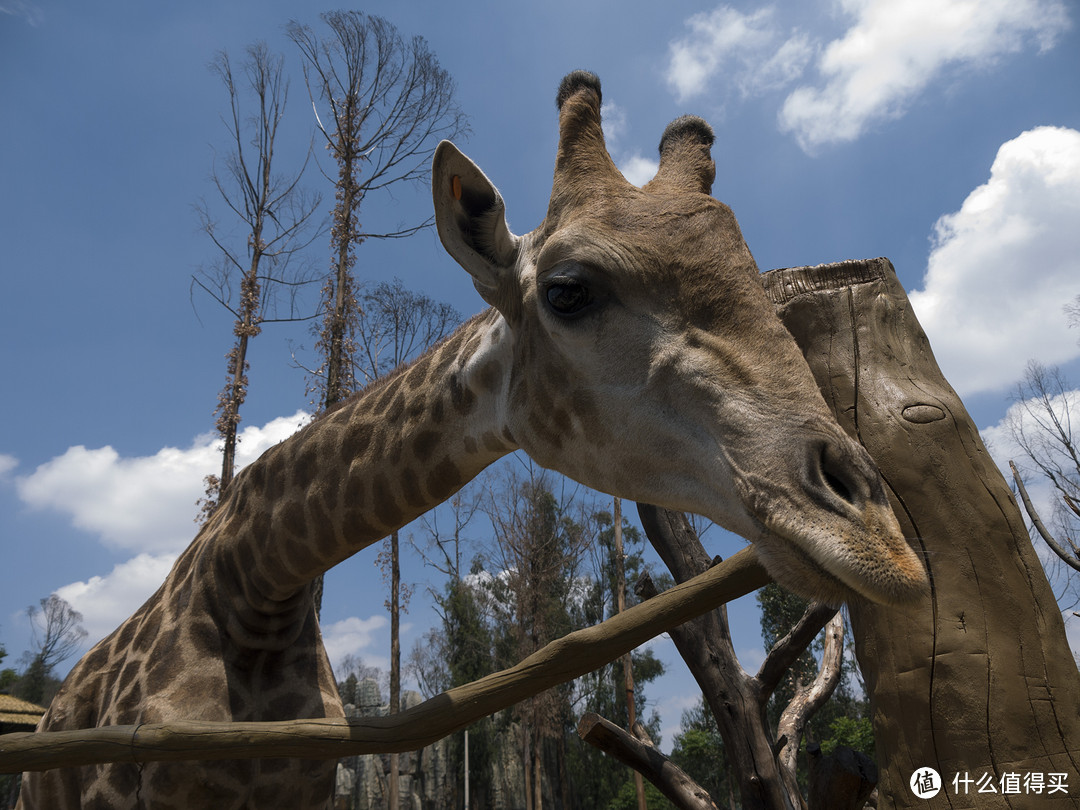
column 1070, row 559
column 808, row 700
column 644, row 758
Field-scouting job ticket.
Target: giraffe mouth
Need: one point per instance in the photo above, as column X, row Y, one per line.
column 870, row 561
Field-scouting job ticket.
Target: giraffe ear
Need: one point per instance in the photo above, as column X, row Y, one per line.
column 471, row 218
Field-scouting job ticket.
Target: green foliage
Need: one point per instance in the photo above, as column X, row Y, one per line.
column 7, row 676
column 854, row 732
column 34, row 681
column 699, row 750
column 780, row 610
column 349, row 689
column 626, row 798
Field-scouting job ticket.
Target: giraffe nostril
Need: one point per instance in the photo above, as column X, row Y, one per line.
column 841, row 477
column 838, row 486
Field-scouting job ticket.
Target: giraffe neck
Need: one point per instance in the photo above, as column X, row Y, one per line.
column 390, row 453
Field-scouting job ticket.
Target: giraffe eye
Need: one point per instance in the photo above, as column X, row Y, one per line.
column 568, row 298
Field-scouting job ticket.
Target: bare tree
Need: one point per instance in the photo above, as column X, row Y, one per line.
column 1042, row 427
column 277, row 220
column 395, row 324
column 1072, row 312
column 57, row 632
column 386, row 103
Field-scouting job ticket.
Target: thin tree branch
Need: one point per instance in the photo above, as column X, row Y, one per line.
column 787, row 650
column 1058, row 549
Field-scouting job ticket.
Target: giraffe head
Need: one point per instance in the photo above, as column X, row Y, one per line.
column 648, row 363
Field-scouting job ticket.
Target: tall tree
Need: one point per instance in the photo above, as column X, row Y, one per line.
column 395, row 324
column 277, row 220
column 627, row 666
column 385, row 105
column 57, row 633
column 460, row 650
column 597, row 779
column 539, row 540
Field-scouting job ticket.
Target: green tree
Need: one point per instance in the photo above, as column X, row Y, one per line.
column 698, row 749
column 598, row 778
column 7, row 675
column 539, row 541
column 460, row 649
column 627, row 798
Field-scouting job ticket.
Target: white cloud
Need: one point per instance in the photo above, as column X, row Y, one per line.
column 106, row 601
column 638, row 170
column 353, row 636
column 671, row 708
column 744, row 50
column 895, row 50
column 145, row 503
column 1003, row 266
column 635, row 168
column 7, row 464
column 31, row 13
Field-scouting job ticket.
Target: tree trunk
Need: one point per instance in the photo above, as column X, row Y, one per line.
column 704, row 643
column 231, row 416
column 627, row 660
column 643, row 757
column 526, row 768
column 342, row 238
column 978, row 677
column 395, row 659
column 538, row 773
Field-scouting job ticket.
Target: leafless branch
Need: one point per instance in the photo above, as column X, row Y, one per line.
column 646, row 759
column 788, row 649
column 1069, row 559
column 809, row 699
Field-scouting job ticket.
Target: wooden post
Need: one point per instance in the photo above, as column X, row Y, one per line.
column 627, row 661
column 978, row 678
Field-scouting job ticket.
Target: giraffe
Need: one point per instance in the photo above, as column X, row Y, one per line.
column 629, row 345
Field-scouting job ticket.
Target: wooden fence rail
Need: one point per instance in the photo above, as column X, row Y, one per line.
column 562, row 660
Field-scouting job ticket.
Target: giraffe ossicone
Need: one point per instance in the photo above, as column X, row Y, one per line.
column 629, row 345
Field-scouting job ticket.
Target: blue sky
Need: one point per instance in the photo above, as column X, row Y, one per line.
column 944, row 134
